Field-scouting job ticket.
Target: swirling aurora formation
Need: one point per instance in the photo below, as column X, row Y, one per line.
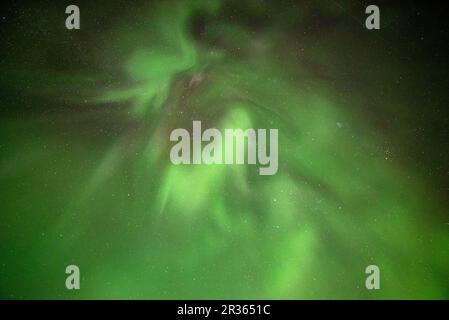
column 86, row 177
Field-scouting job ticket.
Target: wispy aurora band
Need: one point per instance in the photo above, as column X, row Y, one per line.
column 140, row 227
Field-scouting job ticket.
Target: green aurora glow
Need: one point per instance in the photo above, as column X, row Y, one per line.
column 86, row 177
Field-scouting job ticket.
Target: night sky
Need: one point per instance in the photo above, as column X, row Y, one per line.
column 86, row 177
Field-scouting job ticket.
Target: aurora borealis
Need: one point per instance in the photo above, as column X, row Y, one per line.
column 86, row 179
